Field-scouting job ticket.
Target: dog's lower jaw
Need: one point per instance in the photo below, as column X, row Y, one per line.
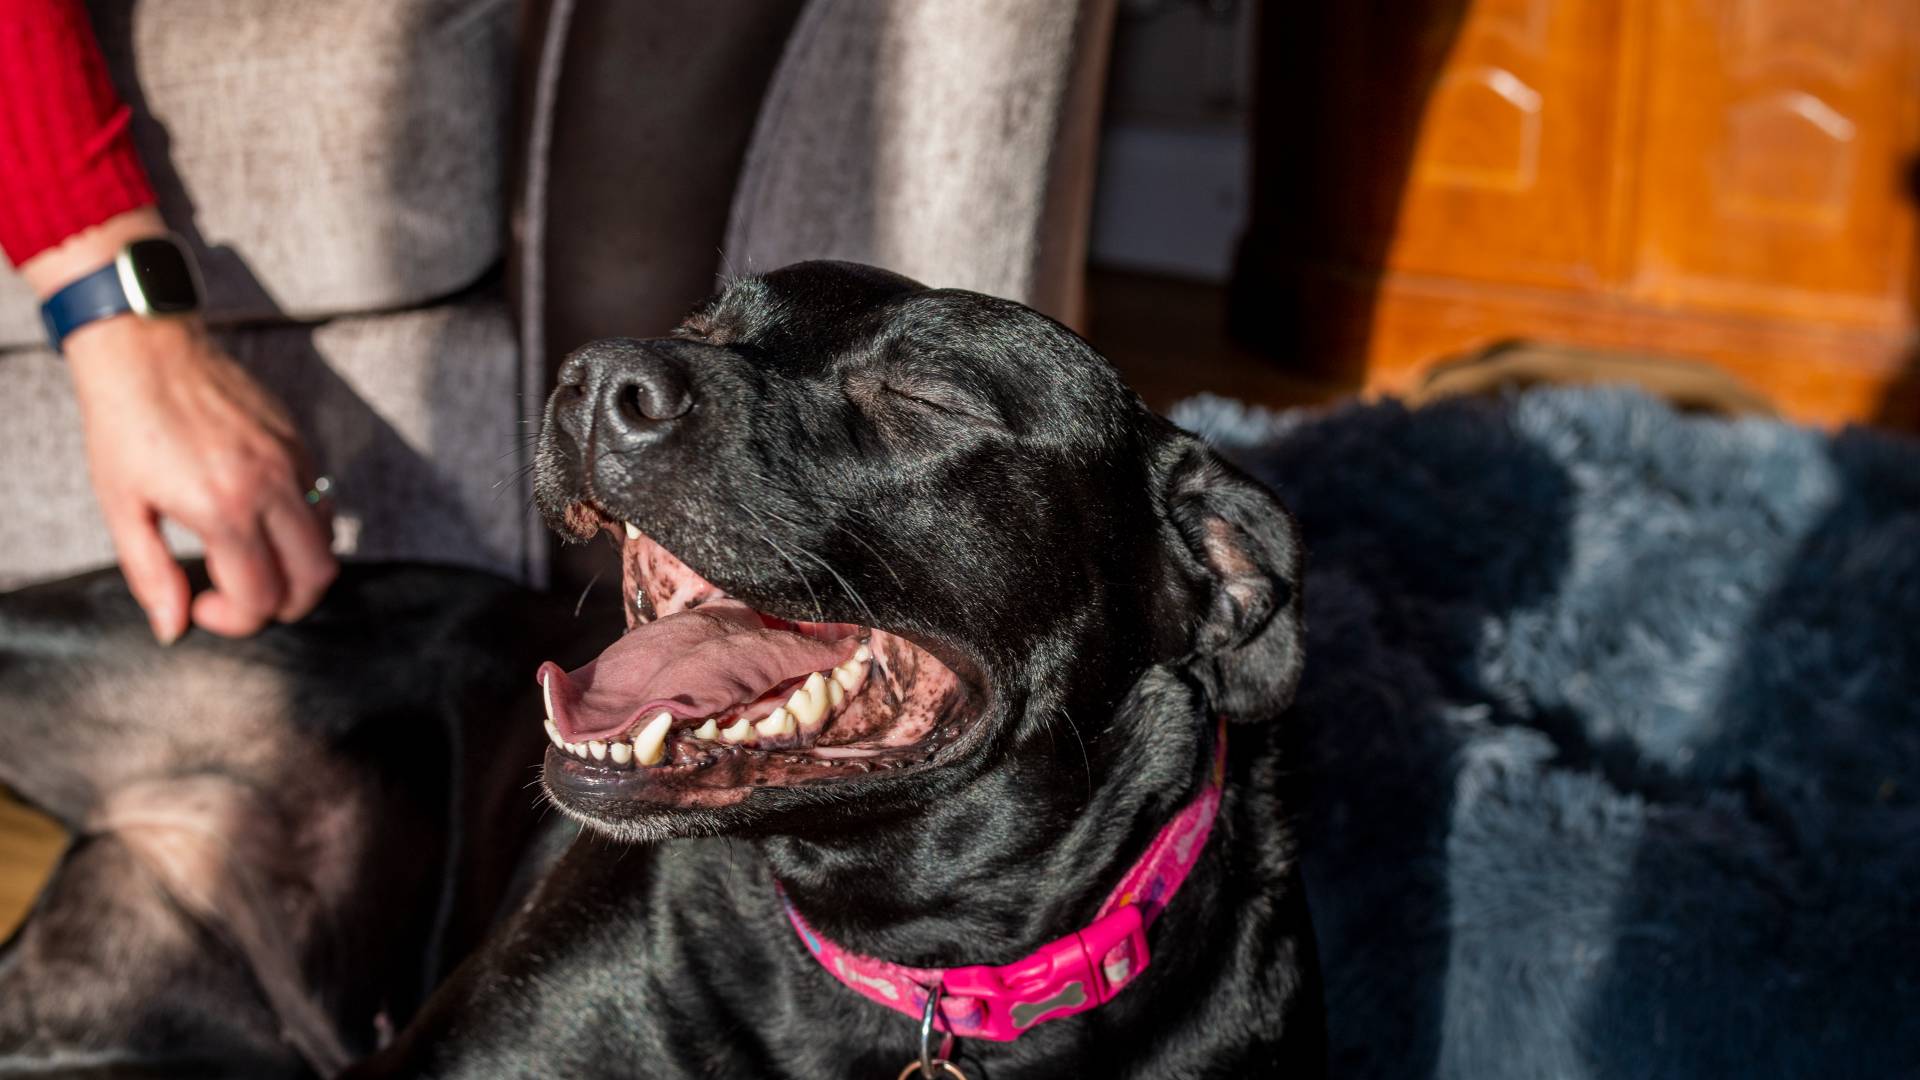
column 969, row 872
column 720, row 797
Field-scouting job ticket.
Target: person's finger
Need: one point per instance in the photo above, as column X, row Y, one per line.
column 247, row 583
column 156, row 580
column 294, row 531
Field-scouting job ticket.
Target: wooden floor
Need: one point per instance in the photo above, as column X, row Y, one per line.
column 28, row 845
column 1168, row 339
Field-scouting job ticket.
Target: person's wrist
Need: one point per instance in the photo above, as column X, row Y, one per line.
column 89, row 250
column 105, row 346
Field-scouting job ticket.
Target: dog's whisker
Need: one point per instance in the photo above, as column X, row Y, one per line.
column 818, row 611
column 1086, row 761
column 519, row 473
column 885, row 564
column 580, row 604
column 845, row 585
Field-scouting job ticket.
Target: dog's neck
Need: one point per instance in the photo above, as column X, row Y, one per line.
column 1021, row 855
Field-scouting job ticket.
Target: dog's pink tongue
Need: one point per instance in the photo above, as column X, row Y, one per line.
column 693, row 664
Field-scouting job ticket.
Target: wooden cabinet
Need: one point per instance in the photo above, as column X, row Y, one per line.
column 1727, row 180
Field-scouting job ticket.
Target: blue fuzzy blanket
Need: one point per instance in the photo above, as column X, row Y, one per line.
column 1614, row 737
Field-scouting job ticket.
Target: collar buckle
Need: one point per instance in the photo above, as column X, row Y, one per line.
column 1068, row 976
column 1116, row 948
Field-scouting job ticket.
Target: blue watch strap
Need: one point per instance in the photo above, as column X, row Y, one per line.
column 95, row 296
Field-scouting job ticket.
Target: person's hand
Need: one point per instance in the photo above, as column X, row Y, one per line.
column 175, row 429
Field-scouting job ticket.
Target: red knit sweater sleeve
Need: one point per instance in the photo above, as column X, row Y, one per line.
column 67, row 162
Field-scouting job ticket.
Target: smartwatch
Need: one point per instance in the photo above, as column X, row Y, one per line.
column 148, row 278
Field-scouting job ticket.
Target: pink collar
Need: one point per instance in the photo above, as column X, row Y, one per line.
column 1064, row 977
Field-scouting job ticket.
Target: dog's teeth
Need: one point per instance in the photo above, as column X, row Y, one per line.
column 578, row 750
column 546, row 692
column 836, row 694
column 622, row 753
column 863, row 654
column 848, row 675
column 708, row 731
column 632, row 533
column 809, row 703
column 554, row 734
column 649, row 747
column 739, row 732
column 598, row 749
column 778, row 722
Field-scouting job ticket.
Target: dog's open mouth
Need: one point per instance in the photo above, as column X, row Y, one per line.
column 703, row 690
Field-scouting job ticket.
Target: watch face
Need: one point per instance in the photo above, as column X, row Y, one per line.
column 164, row 277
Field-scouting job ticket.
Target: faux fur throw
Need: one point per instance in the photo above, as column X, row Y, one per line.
column 1611, row 719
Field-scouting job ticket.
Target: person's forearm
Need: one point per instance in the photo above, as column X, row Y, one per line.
column 89, row 250
column 67, row 160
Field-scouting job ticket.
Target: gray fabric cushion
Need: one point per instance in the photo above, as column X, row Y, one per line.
column 917, row 136
column 642, row 115
column 328, row 157
column 416, row 415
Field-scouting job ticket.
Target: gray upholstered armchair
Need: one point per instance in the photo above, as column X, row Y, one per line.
column 406, row 210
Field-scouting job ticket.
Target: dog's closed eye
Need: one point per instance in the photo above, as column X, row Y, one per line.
column 941, row 399
column 923, row 394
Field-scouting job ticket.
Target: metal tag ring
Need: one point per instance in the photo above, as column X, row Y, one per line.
column 929, row 1063
column 945, row 1068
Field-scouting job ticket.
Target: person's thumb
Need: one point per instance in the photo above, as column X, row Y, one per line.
column 158, row 583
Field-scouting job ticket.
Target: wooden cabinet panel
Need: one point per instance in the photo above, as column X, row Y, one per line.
column 1727, row 180
column 1771, row 174
column 1510, row 172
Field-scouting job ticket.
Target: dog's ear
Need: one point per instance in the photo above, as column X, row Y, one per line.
column 1241, row 557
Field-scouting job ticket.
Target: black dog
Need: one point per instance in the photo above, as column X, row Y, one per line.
column 281, row 844
column 931, row 625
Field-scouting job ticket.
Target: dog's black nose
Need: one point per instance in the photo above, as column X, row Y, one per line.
column 626, row 391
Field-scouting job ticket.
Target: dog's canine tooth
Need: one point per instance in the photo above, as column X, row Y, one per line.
column 622, row 753
column 632, row 533
column 649, row 747
column 598, row 749
column 708, row 731
column 739, row 732
column 554, row 734
column 778, row 722
column 546, row 693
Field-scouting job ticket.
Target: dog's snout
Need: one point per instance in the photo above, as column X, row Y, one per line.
column 628, row 393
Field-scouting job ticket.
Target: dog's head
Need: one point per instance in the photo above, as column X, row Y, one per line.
column 873, row 535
